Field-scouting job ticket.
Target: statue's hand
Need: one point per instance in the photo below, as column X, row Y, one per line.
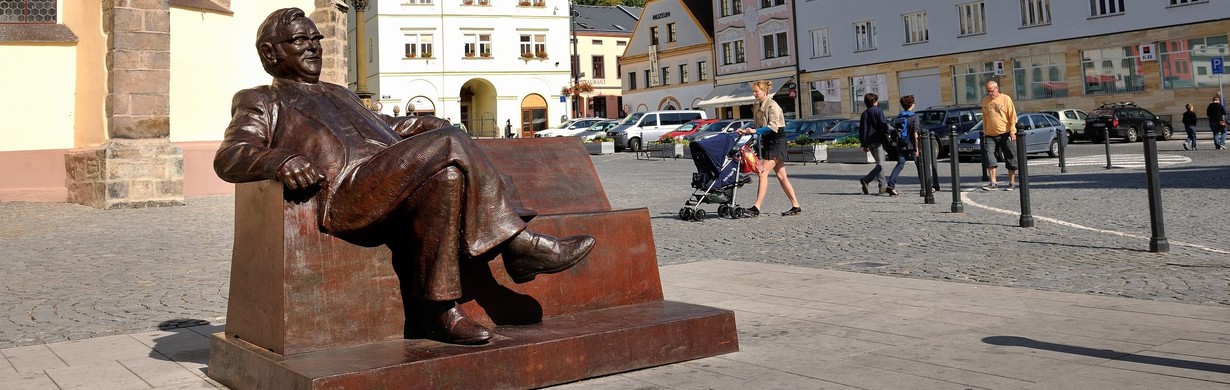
column 298, row 173
column 418, row 124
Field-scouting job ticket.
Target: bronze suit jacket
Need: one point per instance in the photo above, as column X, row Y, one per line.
column 324, row 122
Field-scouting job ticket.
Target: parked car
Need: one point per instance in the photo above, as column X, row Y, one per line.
column 718, row 127
column 796, row 128
column 689, row 128
column 938, row 120
column 598, row 129
column 1073, row 120
column 569, row 128
column 841, row 129
column 1041, row 136
column 640, row 127
column 1124, row 120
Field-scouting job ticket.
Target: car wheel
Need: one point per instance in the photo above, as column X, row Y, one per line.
column 1053, row 149
column 1131, row 135
column 634, row 144
column 1167, row 133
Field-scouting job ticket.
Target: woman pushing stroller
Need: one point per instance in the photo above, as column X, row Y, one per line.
column 770, row 124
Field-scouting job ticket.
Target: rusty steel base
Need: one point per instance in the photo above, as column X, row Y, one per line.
column 558, row 350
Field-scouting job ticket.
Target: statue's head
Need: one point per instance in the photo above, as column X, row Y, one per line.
column 289, row 46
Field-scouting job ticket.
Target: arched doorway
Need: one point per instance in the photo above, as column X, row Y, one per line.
column 533, row 115
column 420, row 106
column 669, row 103
column 478, row 108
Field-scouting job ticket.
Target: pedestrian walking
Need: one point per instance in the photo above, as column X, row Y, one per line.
column 1189, row 124
column 872, row 134
column 998, row 127
column 906, row 128
column 1217, row 122
column 770, row 123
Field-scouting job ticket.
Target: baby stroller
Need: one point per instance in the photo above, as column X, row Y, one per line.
column 717, row 177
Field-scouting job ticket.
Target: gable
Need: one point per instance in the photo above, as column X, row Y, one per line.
column 660, row 13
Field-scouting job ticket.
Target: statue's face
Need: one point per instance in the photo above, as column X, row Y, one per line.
column 298, row 51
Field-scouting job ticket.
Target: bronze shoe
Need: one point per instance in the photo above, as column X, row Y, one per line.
column 530, row 254
column 445, row 322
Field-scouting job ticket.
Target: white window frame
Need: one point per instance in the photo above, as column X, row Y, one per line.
column 666, row 75
column 916, row 27
column 683, row 74
column 702, row 70
column 419, row 43
column 771, row 51
column 1035, row 13
column 972, row 19
column 478, row 41
column 1179, row 3
column 1103, row 8
column 820, row 45
column 672, row 33
column 865, row 35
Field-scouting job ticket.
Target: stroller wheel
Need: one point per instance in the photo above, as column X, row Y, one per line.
column 724, row 211
column 685, row 213
column 699, row 215
column 738, row 213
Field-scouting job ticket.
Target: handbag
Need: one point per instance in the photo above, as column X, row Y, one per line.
column 751, row 163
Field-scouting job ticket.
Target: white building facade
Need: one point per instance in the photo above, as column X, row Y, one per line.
column 1046, row 54
column 669, row 61
column 754, row 40
column 496, row 67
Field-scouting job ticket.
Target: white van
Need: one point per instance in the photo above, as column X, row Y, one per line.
column 638, row 128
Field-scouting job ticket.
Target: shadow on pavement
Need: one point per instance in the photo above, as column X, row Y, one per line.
column 1084, row 246
column 1014, row 341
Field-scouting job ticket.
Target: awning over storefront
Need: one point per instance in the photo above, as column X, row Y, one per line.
column 736, row 94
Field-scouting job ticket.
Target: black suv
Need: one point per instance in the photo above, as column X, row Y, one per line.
column 937, row 120
column 1124, row 120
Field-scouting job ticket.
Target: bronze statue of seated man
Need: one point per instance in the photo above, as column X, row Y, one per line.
column 416, row 184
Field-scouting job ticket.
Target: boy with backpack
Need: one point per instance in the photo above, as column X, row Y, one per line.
column 902, row 137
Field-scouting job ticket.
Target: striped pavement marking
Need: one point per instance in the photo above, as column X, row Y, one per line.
column 1129, row 161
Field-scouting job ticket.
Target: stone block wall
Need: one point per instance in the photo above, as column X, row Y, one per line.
column 125, row 173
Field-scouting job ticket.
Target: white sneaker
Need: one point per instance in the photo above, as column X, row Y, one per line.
column 1009, row 187
column 990, row 187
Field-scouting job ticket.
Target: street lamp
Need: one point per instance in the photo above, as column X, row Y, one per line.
column 576, row 63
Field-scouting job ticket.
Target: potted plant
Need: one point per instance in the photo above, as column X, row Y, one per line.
column 410, row 55
column 540, row 3
column 469, row 54
column 805, row 149
column 487, row 54
column 426, row 54
column 600, row 145
column 527, row 55
column 523, row 3
column 670, row 147
column 467, row 2
column 541, row 54
column 848, row 150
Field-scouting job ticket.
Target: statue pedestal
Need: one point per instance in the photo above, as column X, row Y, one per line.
column 558, row 350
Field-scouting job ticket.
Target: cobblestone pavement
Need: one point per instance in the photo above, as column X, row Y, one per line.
column 71, row 272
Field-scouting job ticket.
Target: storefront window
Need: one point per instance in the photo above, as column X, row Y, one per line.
column 862, row 85
column 1112, row 70
column 968, row 81
column 1187, row 63
column 1040, row 77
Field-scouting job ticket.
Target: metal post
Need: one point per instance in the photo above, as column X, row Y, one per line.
column 1063, row 146
column 1022, row 175
column 954, row 162
column 576, row 65
column 982, row 144
column 1106, row 140
column 927, row 165
column 1157, row 243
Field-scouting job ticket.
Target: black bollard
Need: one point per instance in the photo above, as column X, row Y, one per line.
column 1022, row 175
column 982, row 144
column 1106, row 140
column 1063, row 145
column 954, row 162
column 1157, row 243
column 928, row 165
